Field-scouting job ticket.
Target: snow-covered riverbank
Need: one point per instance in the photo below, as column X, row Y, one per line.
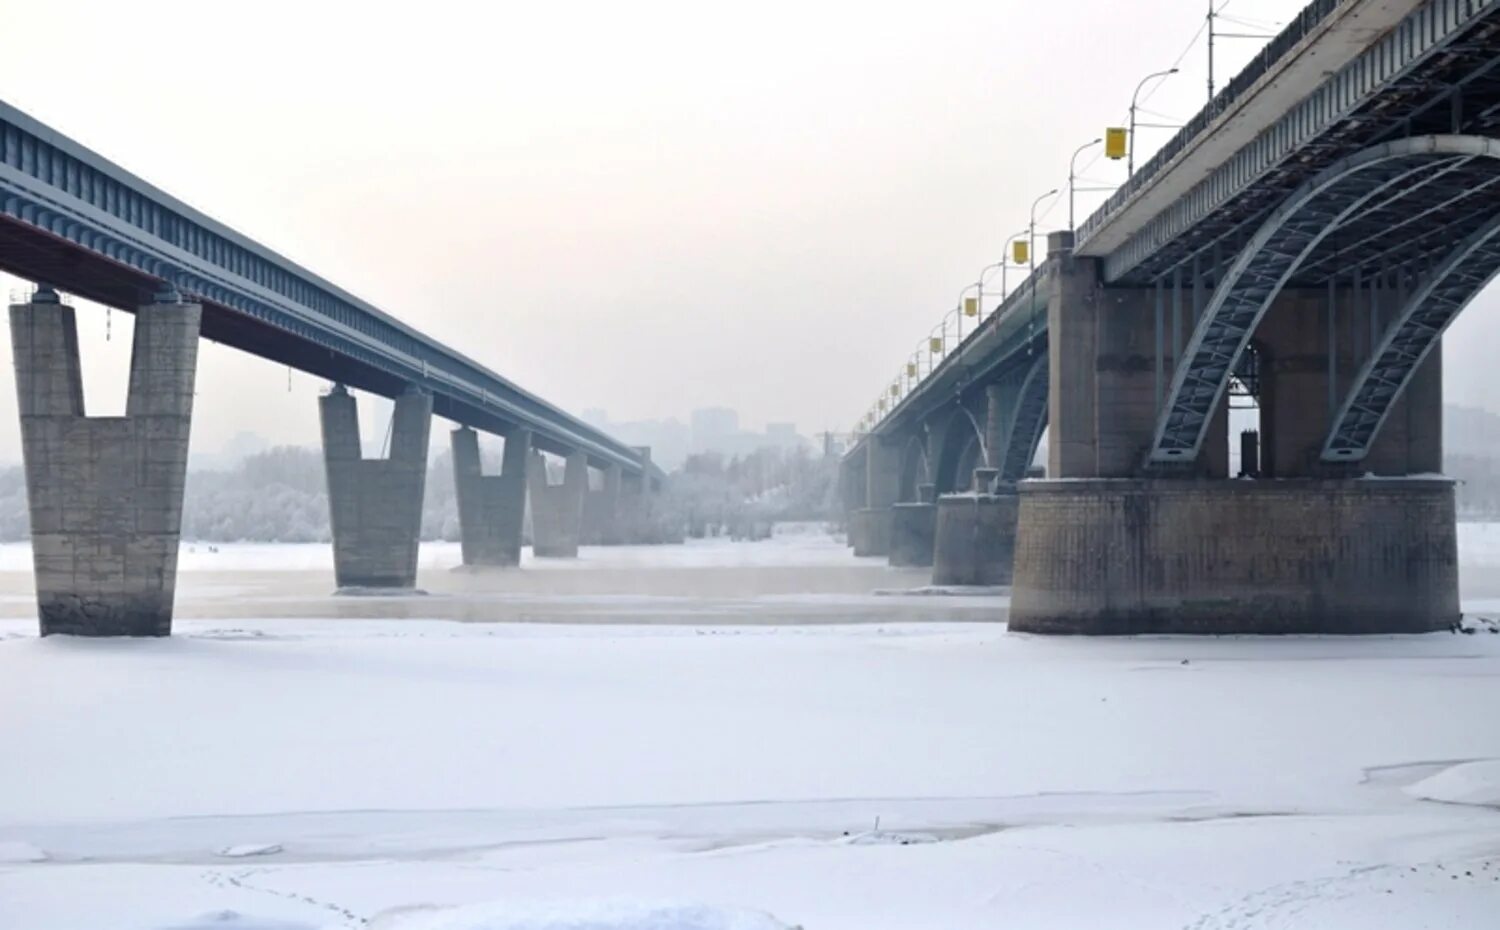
column 283, row 772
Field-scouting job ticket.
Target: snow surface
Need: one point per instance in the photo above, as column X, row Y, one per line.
column 587, row 915
column 709, row 754
column 1465, row 783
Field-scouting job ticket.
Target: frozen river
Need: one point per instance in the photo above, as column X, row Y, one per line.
column 759, row 734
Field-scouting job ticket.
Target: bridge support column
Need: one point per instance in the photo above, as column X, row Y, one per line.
column 882, row 487
column 105, row 493
column 600, row 508
column 912, row 525
column 375, row 505
column 1292, row 556
column 557, row 509
column 491, row 508
column 975, row 538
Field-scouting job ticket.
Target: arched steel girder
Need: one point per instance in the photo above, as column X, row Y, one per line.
column 1422, row 175
column 960, row 433
column 915, row 469
column 1028, row 419
column 1423, row 316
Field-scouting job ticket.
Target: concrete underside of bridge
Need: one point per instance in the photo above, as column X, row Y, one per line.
column 1111, row 556
column 105, row 493
column 375, row 505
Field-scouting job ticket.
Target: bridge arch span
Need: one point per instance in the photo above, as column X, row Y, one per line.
column 1420, row 189
column 915, row 470
column 1440, row 296
column 960, row 452
column 1028, row 420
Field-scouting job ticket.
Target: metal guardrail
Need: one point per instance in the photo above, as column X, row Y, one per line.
column 1312, row 16
column 51, row 183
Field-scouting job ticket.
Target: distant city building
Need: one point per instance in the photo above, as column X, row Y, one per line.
column 714, row 428
column 709, row 430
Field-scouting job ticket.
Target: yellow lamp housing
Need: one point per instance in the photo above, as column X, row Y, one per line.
column 895, row 390
column 882, row 403
column 1020, row 251
column 971, row 306
column 935, row 344
column 1116, row 142
column 911, row 369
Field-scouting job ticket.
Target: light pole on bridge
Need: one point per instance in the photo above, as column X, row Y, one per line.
column 1130, row 159
column 1073, row 174
column 1031, row 263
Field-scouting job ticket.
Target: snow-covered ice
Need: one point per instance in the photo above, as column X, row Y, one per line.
column 731, row 749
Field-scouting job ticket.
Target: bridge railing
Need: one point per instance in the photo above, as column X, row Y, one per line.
column 1304, row 23
column 50, row 182
column 946, row 341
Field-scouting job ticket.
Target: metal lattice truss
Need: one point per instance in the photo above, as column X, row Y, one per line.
column 1408, row 196
column 1424, row 315
column 1027, row 423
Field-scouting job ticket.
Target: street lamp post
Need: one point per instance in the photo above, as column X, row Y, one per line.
column 1005, row 260
column 1130, row 158
column 1031, row 233
column 1031, row 264
column 961, row 294
column 1073, row 174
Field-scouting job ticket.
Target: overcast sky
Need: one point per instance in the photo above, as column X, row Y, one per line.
column 644, row 207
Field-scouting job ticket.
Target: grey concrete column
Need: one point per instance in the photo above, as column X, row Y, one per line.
column 1072, row 322
column 105, row 493
column 600, row 507
column 999, row 407
column 1299, row 555
column 636, row 517
column 557, row 509
column 491, row 508
column 375, row 505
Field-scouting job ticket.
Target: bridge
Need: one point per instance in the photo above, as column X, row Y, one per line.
column 105, row 493
column 1299, row 246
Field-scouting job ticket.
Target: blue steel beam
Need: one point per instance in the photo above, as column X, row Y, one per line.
column 1299, row 137
column 86, row 225
column 1400, row 177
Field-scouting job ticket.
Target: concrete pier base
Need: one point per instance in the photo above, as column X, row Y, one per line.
column 1112, row 556
column 912, row 526
column 874, row 533
column 975, row 539
column 557, row 509
column 105, row 493
column 375, row 505
column 600, row 507
column 491, row 508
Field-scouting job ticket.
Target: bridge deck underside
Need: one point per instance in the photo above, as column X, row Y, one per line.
column 1454, row 90
column 36, row 255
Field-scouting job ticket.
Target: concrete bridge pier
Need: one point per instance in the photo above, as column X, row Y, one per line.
column 975, row 535
column 912, row 526
column 871, row 524
column 600, row 506
column 375, row 505
column 557, row 509
column 491, row 508
column 105, row 493
column 1114, row 543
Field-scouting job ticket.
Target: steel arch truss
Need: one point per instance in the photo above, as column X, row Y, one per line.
column 1427, row 176
column 962, row 441
column 1026, row 424
column 1423, row 316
